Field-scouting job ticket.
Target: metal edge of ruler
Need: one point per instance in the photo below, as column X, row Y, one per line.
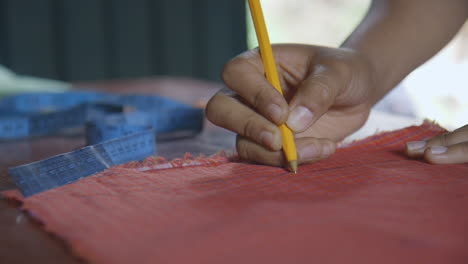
column 69, row 167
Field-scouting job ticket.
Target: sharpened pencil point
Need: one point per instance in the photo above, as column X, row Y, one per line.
column 293, row 165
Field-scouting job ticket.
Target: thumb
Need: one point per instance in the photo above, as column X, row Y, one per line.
column 313, row 98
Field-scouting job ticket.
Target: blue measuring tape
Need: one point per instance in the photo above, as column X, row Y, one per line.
column 119, row 129
column 39, row 114
column 69, row 167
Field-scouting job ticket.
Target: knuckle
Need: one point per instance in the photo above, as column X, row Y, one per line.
column 227, row 72
column 249, row 151
column 242, row 148
column 260, row 96
column 324, row 87
column 230, row 69
column 211, row 109
column 325, row 91
column 250, row 126
column 236, row 65
column 342, row 64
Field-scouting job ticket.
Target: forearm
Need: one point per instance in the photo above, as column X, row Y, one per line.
column 399, row 35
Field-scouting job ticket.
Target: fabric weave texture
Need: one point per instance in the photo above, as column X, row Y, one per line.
column 368, row 203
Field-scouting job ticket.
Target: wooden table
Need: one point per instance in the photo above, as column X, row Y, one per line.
column 21, row 239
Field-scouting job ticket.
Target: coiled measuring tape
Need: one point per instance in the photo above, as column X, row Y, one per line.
column 114, row 134
column 38, row 114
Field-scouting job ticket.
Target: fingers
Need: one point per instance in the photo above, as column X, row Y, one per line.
column 309, row 150
column 453, row 154
column 313, row 98
column 227, row 112
column 448, row 148
column 244, row 75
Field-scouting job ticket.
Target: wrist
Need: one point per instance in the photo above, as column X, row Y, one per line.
column 382, row 77
column 368, row 74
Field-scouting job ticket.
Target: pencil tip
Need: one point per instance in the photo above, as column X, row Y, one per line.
column 293, row 166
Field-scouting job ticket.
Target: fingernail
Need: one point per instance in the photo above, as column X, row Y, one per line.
column 266, row 138
column 275, row 112
column 300, row 118
column 308, row 153
column 438, row 150
column 415, row 145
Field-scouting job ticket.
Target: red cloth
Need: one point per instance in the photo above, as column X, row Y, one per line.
column 366, row 204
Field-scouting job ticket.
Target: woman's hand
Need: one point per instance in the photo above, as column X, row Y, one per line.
column 328, row 94
column 447, row 148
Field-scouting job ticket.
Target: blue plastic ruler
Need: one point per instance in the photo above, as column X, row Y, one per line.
column 119, row 129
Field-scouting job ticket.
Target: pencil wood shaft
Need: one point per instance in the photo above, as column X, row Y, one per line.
column 289, row 146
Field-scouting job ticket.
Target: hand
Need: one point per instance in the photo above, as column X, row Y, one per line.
column 447, row 148
column 330, row 93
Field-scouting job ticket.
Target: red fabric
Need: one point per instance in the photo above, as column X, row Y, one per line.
column 366, row 204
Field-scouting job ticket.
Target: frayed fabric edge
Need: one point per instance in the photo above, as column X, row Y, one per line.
column 223, row 156
column 189, row 160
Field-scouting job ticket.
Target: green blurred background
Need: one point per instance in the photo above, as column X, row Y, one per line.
column 113, row 39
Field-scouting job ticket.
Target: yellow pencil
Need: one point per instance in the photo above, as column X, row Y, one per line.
column 289, row 146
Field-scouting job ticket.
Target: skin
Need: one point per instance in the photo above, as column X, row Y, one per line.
column 329, row 91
